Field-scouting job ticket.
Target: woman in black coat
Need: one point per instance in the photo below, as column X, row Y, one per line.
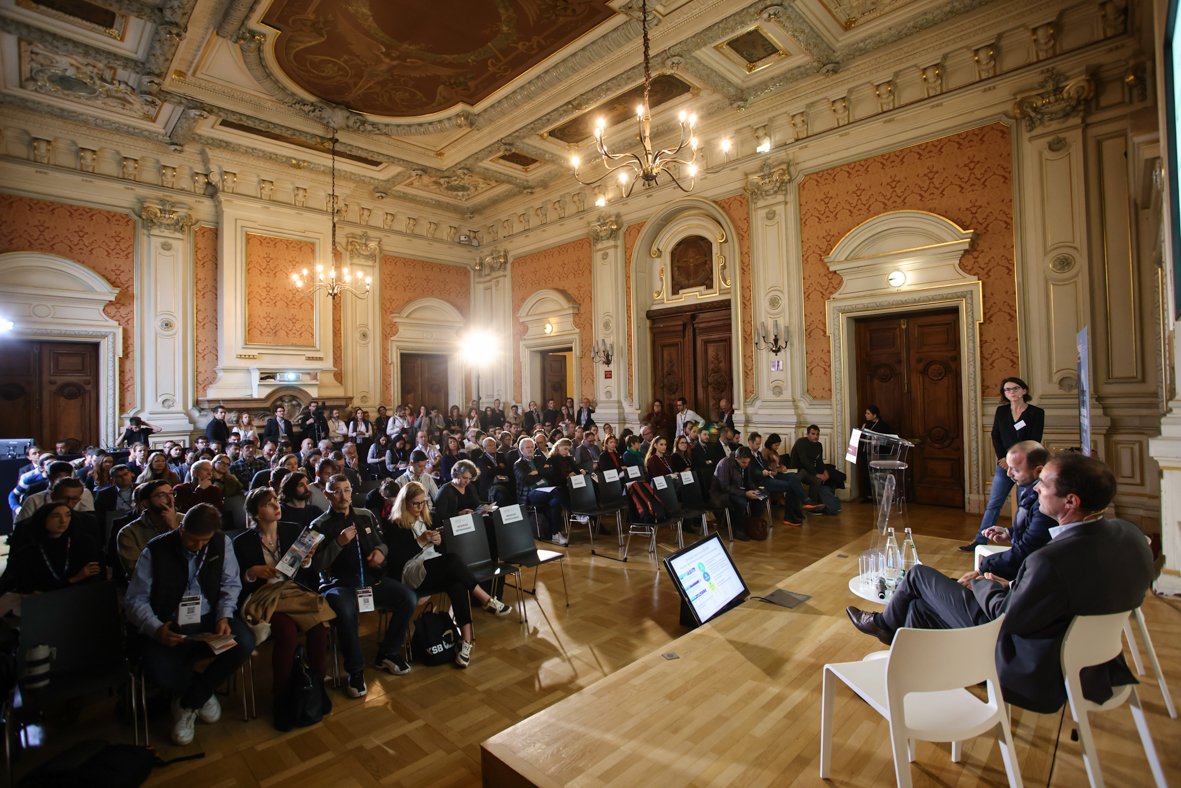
column 49, row 554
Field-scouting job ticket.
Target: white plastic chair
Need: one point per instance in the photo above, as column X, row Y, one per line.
column 1138, row 614
column 919, row 689
column 1093, row 640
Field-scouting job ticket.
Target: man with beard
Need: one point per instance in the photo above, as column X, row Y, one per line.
column 159, row 517
column 294, row 495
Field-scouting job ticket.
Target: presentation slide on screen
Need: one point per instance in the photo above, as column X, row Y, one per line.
column 708, row 577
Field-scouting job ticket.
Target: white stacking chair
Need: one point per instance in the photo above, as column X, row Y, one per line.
column 919, row 687
column 1093, row 640
column 1142, row 625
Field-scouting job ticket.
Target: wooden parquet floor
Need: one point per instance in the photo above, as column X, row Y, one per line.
column 425, row 728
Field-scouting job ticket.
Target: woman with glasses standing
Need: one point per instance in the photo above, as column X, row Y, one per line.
column 1015, row 421
column 415, row 560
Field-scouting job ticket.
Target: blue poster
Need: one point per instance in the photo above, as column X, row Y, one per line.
column 1084, row 392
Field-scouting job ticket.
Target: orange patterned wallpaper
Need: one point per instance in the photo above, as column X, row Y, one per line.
column 205, row 308
column 966, row 177
column 566, row 267
column 630, row 236
column 103, row 241
column 738, row 211
column 337, row 341
column 404, row 280
column 277, row 313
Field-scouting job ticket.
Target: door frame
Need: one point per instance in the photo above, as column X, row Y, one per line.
column 428, row 325
column 649, row 261
column 54, row 299
column 548, row 317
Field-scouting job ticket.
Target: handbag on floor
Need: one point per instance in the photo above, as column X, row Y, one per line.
column 304, row 702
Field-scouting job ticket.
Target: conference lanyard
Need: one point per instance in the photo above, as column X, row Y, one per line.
column 65, row 562
column 201, row 556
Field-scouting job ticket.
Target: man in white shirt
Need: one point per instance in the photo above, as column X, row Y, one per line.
column 416, row 472
column 685, row 415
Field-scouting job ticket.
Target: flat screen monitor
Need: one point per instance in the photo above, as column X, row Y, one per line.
column 706, row 578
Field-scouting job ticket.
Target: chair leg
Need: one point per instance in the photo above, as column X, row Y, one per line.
column 524, row 614
column 1009, row 753
column 1090, row 754
column 900, row 746
column 729, row 525
column 957, row 751
column 1133, row 647
column 1158, row 774
column 565, row 592
column 1152, row 660
column 826, row 705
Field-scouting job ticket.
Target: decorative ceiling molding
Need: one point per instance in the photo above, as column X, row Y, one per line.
column 68, row 46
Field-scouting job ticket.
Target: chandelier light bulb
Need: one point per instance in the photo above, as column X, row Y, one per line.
column 624, row 177
column 693, row 120
column 692, row 170
column 575, row 161
column 600, row 201
column 727, row 144
column 693, row 143
column 639, row 110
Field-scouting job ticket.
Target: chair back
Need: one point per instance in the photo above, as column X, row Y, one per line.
column 689, row 491
column 514, row 536
column 582, row 493
column 81, row 621
column 235, row 510
column 465, row 536
column 666, row 490
column 610, row 489
column 631, row 473
column 1092, row 640
column 934, row 660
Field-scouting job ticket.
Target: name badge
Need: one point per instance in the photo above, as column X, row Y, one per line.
column 365, row 600
column 189, row 610
column 1020, row 425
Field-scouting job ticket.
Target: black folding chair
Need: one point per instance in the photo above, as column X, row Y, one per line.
column 516, row 545
column 584, row 502
column 466, row 537
column 82, row 627
column 695, row 505
column 666, row 493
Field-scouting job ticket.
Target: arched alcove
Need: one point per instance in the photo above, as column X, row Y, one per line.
column 429, row 325
column 548, row 317
column 52, row 298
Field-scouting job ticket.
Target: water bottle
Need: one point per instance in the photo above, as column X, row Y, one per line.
column 910, row 554
column 893, row 568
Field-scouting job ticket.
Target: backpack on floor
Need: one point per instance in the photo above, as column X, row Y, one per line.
column 98, row 764
column 435, row 639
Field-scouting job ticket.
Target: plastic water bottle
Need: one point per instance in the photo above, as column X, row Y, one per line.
column 910, row 554
column 893, row 568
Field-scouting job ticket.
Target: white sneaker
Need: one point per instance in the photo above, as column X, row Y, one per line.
column 560, row 540
column 463, row 655
column 210, row 712
column 183, row 724
column 496, row 607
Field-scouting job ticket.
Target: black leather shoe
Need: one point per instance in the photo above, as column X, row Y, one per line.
column 970, row 547
column 864, row 623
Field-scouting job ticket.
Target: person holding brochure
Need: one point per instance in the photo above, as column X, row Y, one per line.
column 182, row 600
column 268, row 596
column 351, row 561
column 533, row 490
column 415, row 559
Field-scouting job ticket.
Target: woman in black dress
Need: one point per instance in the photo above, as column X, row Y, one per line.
column 48, row 554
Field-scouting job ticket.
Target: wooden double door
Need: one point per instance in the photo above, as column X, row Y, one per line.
column 424, row 380
column 49, row 391
column 909, row 366
column 692, row 356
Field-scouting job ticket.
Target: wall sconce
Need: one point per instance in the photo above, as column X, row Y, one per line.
column 602, row 352
column 775, row 340
column 896, row 279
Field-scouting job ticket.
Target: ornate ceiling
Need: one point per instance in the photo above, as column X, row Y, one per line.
column 456, row 104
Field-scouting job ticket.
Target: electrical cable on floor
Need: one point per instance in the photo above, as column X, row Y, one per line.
column 1054, row 754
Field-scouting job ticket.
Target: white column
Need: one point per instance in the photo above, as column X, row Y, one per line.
column 164, row 320
column 777, row 285
column 610, row 313
column 491, row 312
column 360, row 323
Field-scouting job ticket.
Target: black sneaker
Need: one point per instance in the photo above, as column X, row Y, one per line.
column 970, row 547
column 356, row 687
column 394, row 663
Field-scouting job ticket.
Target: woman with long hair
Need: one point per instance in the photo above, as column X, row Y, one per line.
column 452, row 453
column 259, row 549
column 415, row 561
column 244, row 428
column 228, row 482
column 155, row 468
column 609, row 457
column 375, row 458
column 50, row 554
column 657, row 462
column 682, row 457
column 473, row 420
column 559, row 465
column 100, row 478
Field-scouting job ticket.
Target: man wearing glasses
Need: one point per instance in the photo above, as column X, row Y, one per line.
column 159, row 517
column 352, row 561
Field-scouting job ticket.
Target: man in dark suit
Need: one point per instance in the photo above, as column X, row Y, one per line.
column 1031, row 528
column 551, row 414
column 585, row 416
column 312, row 423
column 734, row 489
column 704, row 456
column 495, row 482
column 1092, row 566
column 278, row 427
column 217, row 429
column 533, row 417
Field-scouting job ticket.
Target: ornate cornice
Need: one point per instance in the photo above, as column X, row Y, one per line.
column 770, row 181
column 66, row 46
column 493, row 262
column 605, row 227
column 165, row 216
column 1058, row 98
column 364, row 247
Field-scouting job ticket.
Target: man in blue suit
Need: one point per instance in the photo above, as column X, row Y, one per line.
column 1092, row 566
column 1031, row 527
